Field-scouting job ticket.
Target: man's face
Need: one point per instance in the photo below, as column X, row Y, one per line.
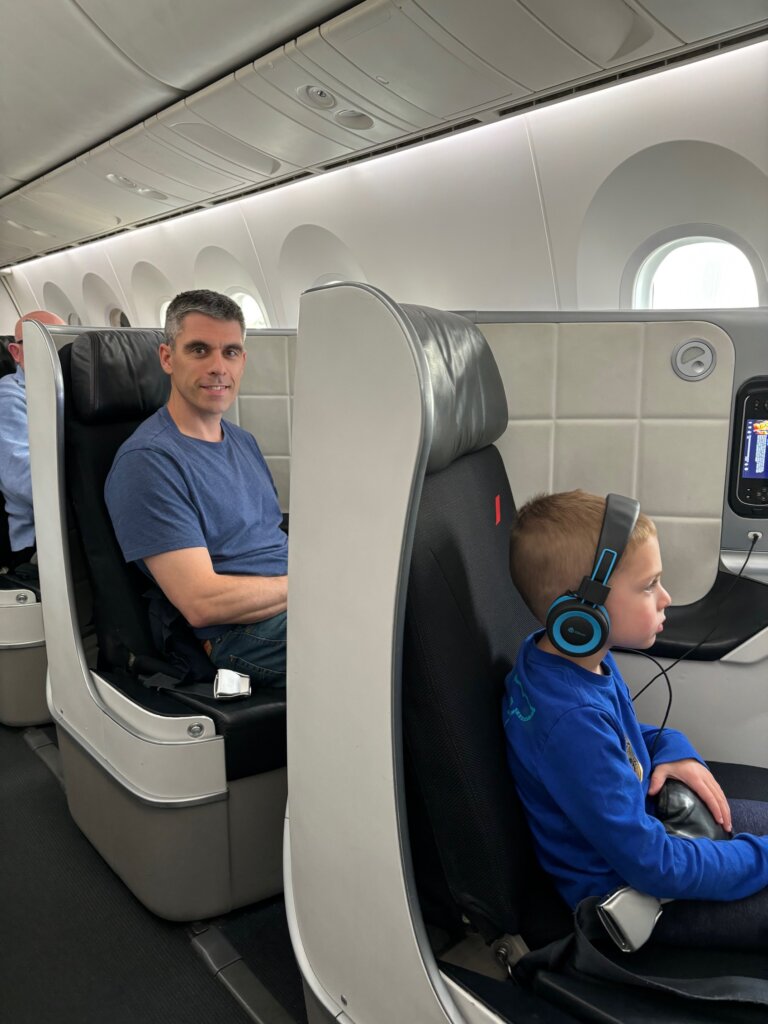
column 206, row 363
column 16, row 348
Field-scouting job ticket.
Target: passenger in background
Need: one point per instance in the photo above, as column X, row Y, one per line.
column 192, row 500
column 15, row 480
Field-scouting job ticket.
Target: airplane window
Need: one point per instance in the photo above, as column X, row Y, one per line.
column 117, row 318
column 74, row 320
column 696, row 273
column 252, row 309
column 163, row 310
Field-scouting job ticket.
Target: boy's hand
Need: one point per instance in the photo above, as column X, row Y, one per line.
column 701, row 781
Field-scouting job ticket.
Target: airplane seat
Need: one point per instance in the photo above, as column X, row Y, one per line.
column 464, row 622
column 463, row 625
column 415, row 702
column 112, row 384
column 183, row 795
column 22, row 645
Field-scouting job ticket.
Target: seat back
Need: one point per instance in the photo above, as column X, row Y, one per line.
column 112, row 382
column 7, row 362
column 463, row 625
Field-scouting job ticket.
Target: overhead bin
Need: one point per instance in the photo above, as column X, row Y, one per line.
column 607, row 32
column 381, row 72
column 706, row 18
column 396, row 52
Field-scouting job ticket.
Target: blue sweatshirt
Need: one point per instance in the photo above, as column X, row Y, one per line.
column 15, row 478
column 581, row 764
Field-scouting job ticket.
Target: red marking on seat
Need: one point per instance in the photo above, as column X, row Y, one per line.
column 498, row 509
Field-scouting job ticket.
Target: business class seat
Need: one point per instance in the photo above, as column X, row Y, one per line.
column 22, row 644
column 463, row 625
column 472, row 854
column 183, row 795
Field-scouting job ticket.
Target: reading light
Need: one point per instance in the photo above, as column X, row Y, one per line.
column 316, row 96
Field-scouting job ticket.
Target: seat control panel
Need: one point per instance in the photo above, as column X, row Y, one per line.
column 748, row 493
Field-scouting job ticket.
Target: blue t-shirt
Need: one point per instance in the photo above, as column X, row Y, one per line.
column 167, row 491
column 581, row 764
column 15, row 478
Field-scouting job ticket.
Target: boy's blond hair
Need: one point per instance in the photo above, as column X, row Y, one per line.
column 552, row 545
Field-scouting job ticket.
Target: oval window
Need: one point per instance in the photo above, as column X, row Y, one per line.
column 117, row 318
column 695, row 273
column 253, row 311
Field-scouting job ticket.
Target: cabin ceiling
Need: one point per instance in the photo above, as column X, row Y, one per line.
column 118, row 115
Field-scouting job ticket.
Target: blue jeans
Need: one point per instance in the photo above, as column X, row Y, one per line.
column 256, row 650
column 735, row 924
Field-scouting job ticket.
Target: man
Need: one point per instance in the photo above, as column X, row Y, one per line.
column 15, row 480
column 192, row 500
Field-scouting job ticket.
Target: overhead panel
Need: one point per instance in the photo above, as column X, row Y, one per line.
column 114, row 169
column 706, row 18
column 422, row 63
column 186, row 132
column 42, row 219
column 321, row 102
column 178, row 169
column 508, row 37
column 11, row 252
column 239, row 112
column 607, row 32
column 319, row 60
column 83, row 186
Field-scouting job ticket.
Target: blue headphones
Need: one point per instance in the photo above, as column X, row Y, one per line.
column 577, row 623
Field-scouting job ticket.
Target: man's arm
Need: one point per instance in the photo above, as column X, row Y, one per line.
column 207, row 598
column 14, row 448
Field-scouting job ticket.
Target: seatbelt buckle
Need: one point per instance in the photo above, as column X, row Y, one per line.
column 229, row 684
column 629, row 917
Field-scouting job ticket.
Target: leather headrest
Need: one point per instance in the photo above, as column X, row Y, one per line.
column 116, row 376
column 7, row 362
column 470, row 405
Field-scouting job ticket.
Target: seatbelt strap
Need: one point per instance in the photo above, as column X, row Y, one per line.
column 579, row 952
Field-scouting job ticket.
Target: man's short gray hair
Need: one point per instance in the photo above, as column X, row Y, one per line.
column 201, row 300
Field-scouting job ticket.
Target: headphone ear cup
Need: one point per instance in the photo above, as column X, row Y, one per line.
column 576, row 628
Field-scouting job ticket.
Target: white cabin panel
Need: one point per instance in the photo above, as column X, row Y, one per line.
column 577, row 146
column 599, row 407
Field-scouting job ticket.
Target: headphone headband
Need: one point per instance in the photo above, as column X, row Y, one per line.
column 619, row 521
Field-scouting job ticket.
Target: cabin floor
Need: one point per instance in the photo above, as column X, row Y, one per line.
column 76, row 947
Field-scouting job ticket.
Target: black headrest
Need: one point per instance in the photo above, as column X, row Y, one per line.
column 116, row 376
column 469, row 403
column 7, row 362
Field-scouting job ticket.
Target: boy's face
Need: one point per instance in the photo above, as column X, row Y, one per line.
column 637, row 599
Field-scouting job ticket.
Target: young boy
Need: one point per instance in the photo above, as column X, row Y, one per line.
column 585, row 768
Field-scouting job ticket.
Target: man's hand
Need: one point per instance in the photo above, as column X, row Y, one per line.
column 701, row 781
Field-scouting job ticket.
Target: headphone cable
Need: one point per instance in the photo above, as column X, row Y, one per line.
column 663, row 671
